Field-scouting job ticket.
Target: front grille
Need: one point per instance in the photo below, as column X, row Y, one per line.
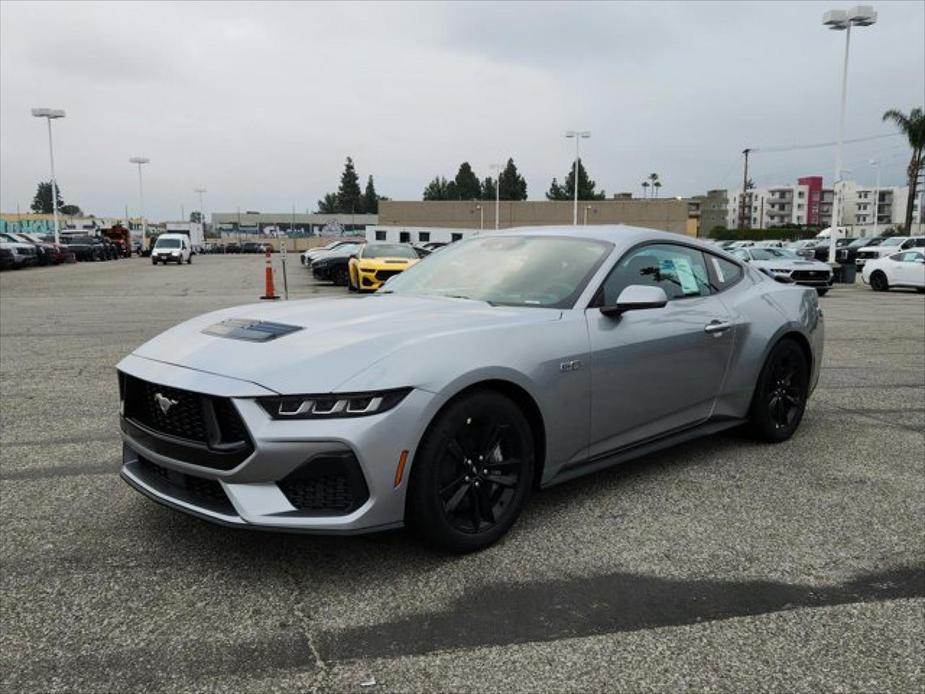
column 327, row 485
column 196, row 490
column 197, row 428
column 184, row 419
column 383, row 275
column 809, row 275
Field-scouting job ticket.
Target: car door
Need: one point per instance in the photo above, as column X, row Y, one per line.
column 908, row 268
column 654, row 371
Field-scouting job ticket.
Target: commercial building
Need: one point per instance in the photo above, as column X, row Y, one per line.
column 432, row 220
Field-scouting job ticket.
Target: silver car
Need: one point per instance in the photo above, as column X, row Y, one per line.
column 504, row 363
column 787, row 266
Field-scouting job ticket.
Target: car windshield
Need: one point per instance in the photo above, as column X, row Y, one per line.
column 545, row 271
column 895, row 241
column 389, row 250
column 771, row 253
column 860, row 243
column 167, row 243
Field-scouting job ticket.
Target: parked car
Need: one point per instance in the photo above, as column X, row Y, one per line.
column 374, row 263
column 848, row 253
column 47, row 251
column 20, row 254
column 174, row 248
column 25, row 253
column 821, row 247
column 505, row 363
column 7, row 256
column 86, row 248
column 332, row 265
column 783, row 264
column 805, row 248
column 888, row 246
column 306, row 257
column 903, row 269
column 233, row 248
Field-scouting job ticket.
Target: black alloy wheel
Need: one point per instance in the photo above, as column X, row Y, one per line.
column 879, row 282
column 473, row 472
column 340, row 276
column 780, row 397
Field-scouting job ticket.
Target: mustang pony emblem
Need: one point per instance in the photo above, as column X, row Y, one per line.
column 164, row 402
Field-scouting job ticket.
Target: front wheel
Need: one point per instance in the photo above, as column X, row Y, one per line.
column 780, row 395
column 472, row 473
column 189, row 261
column 879, row 282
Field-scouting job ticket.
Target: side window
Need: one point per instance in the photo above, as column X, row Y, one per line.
column 423, row 236
column 725, row 273
column 907, row 257
column 380, row 236
column 679, row 270
column 404, row 237
column 919, row 242
column 455, row 237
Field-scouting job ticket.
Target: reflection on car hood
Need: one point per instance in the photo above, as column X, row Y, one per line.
column 339, row 337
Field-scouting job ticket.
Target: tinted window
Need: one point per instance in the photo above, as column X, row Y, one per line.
column 404, row 236
column 920, row 242
column 679, row 270
column 388, row 250
column 423, row 236
column 725, row 273
column 380, row 236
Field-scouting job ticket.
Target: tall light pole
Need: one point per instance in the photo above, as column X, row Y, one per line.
column 842, row 20
column 141, row 198
column 50, row 114
column 876, row 163
column 578, row 135
column 497, row 167
column 202, row 214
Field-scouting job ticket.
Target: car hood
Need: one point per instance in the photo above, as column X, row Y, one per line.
column 336, row 339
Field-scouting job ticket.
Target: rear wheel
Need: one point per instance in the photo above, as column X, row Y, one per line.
column 472, row 473
column 780, row 395
column 879, row 282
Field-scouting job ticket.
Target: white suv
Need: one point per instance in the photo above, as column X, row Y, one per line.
column 174, row 248
column 889, row 246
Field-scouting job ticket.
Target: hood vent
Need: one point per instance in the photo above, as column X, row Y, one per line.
column 250, row 330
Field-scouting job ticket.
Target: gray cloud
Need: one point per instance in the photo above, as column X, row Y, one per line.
column 260, row 103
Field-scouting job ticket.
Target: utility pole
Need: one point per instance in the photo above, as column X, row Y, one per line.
column 742, row 219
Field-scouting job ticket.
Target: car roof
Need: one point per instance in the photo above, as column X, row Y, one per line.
column 621, row 235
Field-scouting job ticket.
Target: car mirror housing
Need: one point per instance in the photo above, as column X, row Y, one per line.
column 634, row 298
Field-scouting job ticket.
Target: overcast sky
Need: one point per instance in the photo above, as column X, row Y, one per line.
column 260, row 103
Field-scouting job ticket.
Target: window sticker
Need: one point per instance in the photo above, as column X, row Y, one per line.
column 680, row 268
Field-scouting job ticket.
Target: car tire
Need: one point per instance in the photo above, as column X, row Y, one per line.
column 340, row 276
column 822, row 292
column 189, row 261
column 472, row 473
column 781, row 393
column 154, row 261
column 878, row 281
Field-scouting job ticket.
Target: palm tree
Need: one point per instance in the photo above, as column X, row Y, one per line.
column 645, row 189
column 913, row 127
column 653, row 177
column 656, row 186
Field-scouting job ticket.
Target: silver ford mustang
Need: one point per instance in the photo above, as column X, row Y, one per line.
column 504, row 363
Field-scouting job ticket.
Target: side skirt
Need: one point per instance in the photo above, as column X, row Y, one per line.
column 627, row 453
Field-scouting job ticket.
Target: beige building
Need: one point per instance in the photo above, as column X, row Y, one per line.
column 666, row 215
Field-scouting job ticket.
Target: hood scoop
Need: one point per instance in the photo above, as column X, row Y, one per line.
column 250, row 330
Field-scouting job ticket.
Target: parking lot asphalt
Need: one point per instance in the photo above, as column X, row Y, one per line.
column 721, row 565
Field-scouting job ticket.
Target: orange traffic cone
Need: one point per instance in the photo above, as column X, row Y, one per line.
column 270, row 293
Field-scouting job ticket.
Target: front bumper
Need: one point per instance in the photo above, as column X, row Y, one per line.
column 254, row 493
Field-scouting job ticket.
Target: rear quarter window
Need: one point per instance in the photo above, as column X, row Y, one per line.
column 725, row 273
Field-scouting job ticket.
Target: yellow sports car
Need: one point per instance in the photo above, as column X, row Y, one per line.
column 374, row 263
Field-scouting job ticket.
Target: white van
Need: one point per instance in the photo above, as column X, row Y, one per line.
column 173, row 248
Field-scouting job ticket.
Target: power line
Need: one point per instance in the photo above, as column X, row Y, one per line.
column 820, row 145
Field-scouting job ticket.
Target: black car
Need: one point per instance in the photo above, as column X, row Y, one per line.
column 332, row 266
column 849, row 253
column 821, row 250
column 89, row 248
column 7, row 259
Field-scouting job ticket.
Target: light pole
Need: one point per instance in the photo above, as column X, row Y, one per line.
column 202, row 214
column 876, row 163
column 578, row 135
column 481, row 217
column 50, row 114
column 497, row 167
column 141, row 199
column 842, row 20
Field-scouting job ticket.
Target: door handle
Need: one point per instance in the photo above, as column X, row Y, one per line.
column 716, row 327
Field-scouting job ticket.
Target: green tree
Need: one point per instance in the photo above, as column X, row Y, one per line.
column 913, row 127
column 195, row 216
column 70, row 210
column 513, row 186
column 467, row 183
column 328, row 204
column 488, row 188
column 41, row 203
column 586, row 187
column 349, row 194
column 370, row 197
column 437, row 189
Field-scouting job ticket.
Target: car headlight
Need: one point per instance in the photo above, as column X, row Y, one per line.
column 332, row 404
